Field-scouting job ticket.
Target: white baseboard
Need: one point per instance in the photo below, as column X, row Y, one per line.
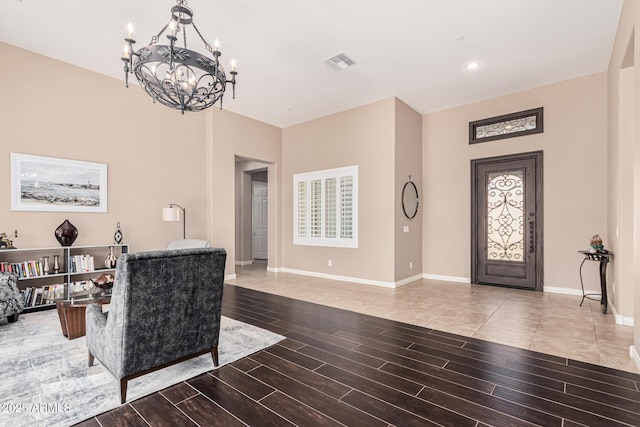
column 274, row 269
column 447, row 278
column 408, row 280
column 230, row 277
column 619, row 319
column 244, row 262
column 567, row 291
column 633, row 352
column 350, row 279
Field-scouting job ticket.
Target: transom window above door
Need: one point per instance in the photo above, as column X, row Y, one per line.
column 325, row 208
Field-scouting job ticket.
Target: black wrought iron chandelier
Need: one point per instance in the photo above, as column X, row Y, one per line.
column 176, row 76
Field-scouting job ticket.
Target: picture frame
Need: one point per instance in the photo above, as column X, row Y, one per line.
column 507, row 126
column 57, row 185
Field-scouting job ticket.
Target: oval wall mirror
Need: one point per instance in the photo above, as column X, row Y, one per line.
column 410, row 199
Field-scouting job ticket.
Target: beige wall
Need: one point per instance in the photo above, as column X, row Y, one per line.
column 408, row 162
column 155, row 156
column 574, row 176
column 624, row 140
column 362, row 136
column 230, row 136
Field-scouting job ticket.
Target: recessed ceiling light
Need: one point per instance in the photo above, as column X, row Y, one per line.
column 472, row 65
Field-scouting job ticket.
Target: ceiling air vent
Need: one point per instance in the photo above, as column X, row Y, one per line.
column 339, row 62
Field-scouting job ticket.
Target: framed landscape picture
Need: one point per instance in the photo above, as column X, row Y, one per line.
column 57, row 185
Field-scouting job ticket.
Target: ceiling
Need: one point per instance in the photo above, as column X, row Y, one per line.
column 415, row 50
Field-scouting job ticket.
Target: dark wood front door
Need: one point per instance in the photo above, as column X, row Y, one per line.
column 506, row 242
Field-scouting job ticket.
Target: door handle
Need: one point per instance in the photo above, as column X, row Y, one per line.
column 531, row 237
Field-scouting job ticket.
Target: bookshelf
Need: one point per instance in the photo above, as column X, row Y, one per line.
column 77, row 266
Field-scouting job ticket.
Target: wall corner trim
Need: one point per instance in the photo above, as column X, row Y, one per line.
column 633, row 352
column 409, row 280
column 230, row 277
column 619, row 318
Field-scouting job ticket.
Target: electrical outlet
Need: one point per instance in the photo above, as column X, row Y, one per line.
column 405, row 229
column 329, row 263
column 613, row 287
column 410, row 265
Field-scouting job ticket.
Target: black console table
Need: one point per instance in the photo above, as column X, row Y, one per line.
column 603, row 258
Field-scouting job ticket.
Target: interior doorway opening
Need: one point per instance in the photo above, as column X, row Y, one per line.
column 252, row 213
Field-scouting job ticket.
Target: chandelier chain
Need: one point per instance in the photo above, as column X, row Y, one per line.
column 184, row 35
column 206, row 45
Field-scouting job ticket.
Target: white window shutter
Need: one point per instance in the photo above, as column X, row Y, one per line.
column 325, row 208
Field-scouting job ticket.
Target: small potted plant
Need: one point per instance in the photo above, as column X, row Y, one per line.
column 596, row 244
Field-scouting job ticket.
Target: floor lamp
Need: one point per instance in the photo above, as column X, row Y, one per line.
column 172, row 213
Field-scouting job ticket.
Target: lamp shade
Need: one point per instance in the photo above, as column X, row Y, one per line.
column 171, row 214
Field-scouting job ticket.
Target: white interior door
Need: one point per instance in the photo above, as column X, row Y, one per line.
column 260, row 220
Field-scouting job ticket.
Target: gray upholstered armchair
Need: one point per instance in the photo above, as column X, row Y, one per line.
column 11, row 301
column 165, row 308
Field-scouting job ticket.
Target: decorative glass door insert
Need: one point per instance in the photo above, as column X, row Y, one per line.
column 505, row 216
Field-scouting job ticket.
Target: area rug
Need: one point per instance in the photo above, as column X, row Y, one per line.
column 45, row 380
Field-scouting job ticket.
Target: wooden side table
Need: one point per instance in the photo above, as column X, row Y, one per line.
column 604, row 258
column 72, row 315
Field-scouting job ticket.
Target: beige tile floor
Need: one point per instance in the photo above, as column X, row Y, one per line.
column 544, row 322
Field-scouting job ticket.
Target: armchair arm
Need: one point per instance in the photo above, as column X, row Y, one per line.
column 101, row 342
column 96, row 319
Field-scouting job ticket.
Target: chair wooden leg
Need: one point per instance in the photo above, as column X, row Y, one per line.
column 214, row 353
column 123, row 390
column 90, row 358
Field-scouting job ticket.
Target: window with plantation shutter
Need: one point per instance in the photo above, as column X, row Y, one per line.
column 316, row 208
column 301, row 209
column 326, row 208
column 330, row 203
column 346, row 201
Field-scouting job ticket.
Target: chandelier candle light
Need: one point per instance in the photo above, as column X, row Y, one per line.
column 177, row 77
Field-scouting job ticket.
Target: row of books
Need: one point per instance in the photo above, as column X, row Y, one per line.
column 29, row 268
column 33, row 268
column 81, row 263
column 43, row 295
column 49, row 293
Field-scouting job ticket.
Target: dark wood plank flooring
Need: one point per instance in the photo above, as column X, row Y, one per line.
column 342, row 368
